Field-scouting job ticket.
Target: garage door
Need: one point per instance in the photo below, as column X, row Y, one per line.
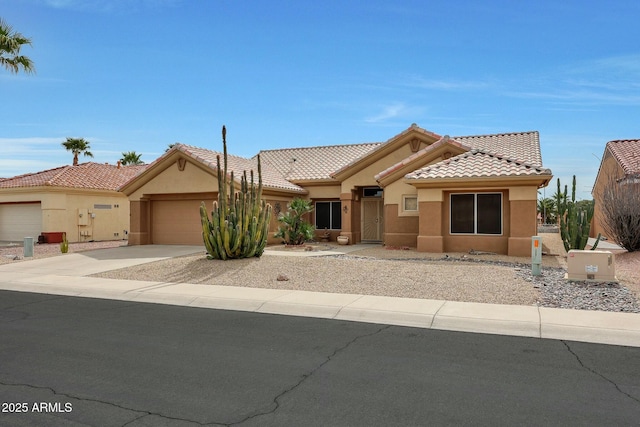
column 176, row 222
column 20, row 220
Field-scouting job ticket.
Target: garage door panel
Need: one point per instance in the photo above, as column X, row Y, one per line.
column 20, row 220
column 176, row 222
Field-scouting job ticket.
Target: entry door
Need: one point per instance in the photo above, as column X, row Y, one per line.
column 372, row 221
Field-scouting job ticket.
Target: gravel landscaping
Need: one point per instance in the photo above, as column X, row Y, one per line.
column 399, row 272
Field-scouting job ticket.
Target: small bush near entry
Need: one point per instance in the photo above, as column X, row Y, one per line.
column 293, row 229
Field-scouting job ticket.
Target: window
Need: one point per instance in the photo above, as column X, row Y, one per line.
column 476, row 213
column 372, row 192
column 410, row 203
column 328, row 215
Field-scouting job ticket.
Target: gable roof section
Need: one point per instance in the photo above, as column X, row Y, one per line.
column 271, row 178
column 477, row 164
column 383, row 149
column 442, row 144
column 314, row 163
column 627, row 153
column 90, row 175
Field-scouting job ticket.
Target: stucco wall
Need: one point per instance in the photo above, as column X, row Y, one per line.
column 399, row 230
column 518, row 223
column 107, row 217
column 192, row 179
column 60, row 212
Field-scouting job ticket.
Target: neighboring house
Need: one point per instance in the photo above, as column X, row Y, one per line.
column 621, row 160
column 82, row 201
column 418, row 189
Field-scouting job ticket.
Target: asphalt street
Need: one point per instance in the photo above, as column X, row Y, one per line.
column 77, row 361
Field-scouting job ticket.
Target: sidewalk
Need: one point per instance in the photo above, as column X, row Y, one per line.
column 67, row 275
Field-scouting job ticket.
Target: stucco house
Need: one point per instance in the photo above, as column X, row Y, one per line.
column 417, row 189
column 621, row 160
column 82, row 201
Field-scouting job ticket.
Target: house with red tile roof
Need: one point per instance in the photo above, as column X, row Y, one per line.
column 82, row 201
column 620, row 162
column 417, row 189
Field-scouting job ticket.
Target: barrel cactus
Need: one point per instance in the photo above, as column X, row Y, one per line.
column 239, row 223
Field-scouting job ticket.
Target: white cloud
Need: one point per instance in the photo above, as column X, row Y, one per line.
column 604, row 81
column 396, row 110
column 447, row 85
column 110, row 5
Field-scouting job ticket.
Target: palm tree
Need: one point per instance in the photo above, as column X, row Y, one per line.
column 547, row 208
column 10, row 44
column 77, row 146
column 131, row 158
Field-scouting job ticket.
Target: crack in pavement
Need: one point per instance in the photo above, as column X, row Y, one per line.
column 598, row 373
column 143, row 413
column 305, row 376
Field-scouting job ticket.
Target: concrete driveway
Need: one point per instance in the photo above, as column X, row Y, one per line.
column 97, row 261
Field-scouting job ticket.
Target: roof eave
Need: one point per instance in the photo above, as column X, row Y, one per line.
column 484, row 181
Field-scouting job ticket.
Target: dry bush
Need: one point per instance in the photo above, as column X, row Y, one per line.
column 620, row 199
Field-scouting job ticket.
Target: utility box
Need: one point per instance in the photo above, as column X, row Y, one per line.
column 536, row 255
column 591, row 265
column 28, row 247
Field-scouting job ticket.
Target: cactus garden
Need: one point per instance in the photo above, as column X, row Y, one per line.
column 574, row 219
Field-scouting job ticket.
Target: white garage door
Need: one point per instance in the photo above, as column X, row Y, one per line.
column 176, row 222
column 20, row 220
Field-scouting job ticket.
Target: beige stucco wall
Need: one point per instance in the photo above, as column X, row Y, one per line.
column 192, row 179
column 60, row 209
column 323, row 191
column 365, row 177
column 394, row 194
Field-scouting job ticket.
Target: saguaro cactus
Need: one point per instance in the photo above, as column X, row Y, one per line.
column 239, row 222
column 575, row 222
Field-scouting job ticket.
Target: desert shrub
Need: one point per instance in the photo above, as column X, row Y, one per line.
column 620, row 199
column 293, row 228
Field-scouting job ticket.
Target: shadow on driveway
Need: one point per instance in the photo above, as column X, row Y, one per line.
column 143, row 251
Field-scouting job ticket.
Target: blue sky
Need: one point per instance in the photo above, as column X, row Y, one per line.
column 142, row 74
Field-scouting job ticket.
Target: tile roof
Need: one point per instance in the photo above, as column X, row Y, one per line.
column 477, row 164
column 627, row 153
column 315, row 163
column 88, row 175
column 445, row 140
column 522, row 146
column 271, row 177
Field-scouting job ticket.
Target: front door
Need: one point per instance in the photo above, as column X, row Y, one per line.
column 372, row 221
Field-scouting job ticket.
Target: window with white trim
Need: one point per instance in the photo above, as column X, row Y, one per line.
column 328, row 215
column 476, row 213
column 410, row 203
